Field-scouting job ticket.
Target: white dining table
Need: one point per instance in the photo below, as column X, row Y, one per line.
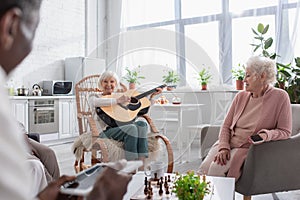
column 179, row 108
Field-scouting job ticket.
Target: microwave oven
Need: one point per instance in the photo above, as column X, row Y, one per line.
column 51, row 88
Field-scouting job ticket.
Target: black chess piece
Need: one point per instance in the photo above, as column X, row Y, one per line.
column 149, row 196
column 146, row 186
column 167, row 191
column 161, row 179
column 166, row 183
column 149, row 186
column 160, row 192
column 155, row 177
column 169, row 178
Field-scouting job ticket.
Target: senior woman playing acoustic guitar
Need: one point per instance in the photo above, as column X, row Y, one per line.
column 260, row 109
column 134, row 135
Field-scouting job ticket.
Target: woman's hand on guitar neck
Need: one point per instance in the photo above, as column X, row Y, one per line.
column 158, row 91
column 123, row 99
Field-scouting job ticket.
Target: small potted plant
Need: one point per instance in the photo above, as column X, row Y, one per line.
column 203, row 77
column 171, row 79
column 191, row 186
column 133, row 77
column 239, row 74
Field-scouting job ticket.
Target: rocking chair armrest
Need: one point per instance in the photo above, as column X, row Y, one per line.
column 93, row 126
column 151, row 124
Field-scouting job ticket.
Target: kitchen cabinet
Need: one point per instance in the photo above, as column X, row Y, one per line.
column 20, row 111
column 67, row 121
column 67, row 118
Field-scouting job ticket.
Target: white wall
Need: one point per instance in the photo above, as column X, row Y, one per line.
column 61, row 34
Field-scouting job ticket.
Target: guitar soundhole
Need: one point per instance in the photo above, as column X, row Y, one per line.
column 133, row 100
column 134, row 104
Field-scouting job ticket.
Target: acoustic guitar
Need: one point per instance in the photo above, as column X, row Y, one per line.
column 122, row 114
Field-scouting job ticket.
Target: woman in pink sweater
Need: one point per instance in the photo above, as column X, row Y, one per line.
column 260, row 109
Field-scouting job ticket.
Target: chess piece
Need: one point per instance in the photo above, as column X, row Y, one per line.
column 146, row 186
column 169, row 178
column 149, row 187
column 161, row 179
column 160, row 192
column 167, row 191
column 155, row 177
column 149, row 196
column 166, row 182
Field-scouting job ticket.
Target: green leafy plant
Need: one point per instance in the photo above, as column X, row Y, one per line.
column 171, row 78
column 288, row 76
column 239, row 72
column 263, row 43
column 204, row 76
column 293, row 86
column 191, row 187
column 133, row 76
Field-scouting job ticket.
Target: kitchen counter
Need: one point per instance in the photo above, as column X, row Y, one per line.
column 42, row 97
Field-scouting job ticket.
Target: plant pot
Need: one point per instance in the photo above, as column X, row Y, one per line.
column 239, row 84
column 204, row 87
column 131, row 86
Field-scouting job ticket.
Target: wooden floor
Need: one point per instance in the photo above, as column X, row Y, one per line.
column 66, row 160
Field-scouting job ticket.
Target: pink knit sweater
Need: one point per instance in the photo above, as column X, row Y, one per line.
column 275, row 120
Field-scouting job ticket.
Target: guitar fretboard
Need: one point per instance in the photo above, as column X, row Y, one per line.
column 149, row 92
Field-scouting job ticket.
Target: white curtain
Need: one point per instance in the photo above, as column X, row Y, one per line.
column 287, row 35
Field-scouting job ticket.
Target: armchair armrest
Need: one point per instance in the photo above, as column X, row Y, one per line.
column 209, row 135
column 271, row 167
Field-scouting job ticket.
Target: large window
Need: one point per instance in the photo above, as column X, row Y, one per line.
column 140, row 12
column 215, row 35
column 205, row 47
column 196, row 8
column 243, row 36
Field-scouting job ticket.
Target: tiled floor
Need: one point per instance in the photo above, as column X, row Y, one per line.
column 66, row 161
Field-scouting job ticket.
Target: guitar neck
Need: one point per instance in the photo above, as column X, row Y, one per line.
column 149, row 92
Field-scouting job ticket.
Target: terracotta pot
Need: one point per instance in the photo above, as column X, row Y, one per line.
column 131, row 86
column 239, row 84
column 204, row 87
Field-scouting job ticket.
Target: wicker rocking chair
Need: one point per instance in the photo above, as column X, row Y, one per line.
column 104, row 150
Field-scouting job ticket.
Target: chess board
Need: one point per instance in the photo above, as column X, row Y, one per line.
column 156, row 193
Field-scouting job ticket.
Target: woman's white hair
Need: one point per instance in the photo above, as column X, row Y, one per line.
column 107, row 75
column 259, row 65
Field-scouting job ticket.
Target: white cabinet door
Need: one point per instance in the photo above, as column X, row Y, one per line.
column 20, row 110
column 67, row 118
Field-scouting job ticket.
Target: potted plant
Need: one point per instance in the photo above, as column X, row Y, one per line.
column 293, row 86
column 203, row 77
column 264, row 43
column 133, row 77
column 288, row 76
column 239, row 74
column 190, row 187
column 171, row 79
